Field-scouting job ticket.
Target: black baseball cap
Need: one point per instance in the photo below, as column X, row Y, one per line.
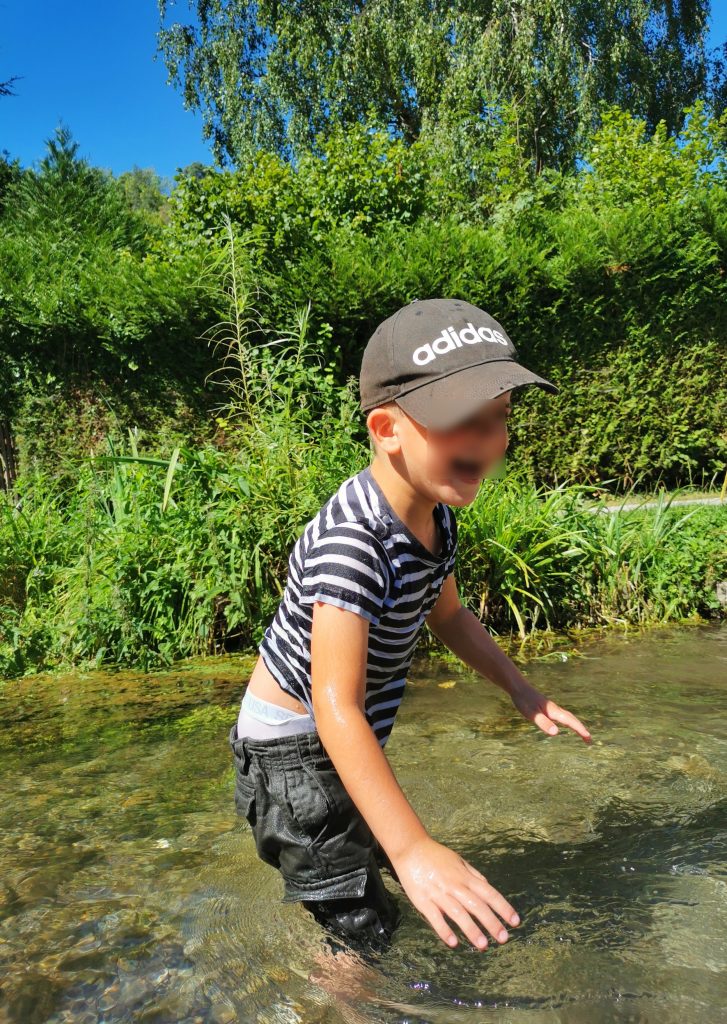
column 440, row 360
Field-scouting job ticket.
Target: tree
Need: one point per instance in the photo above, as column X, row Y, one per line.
column 145, row 189
column 6, row 87
column 196, row 170
column 66, row 203
column 10, row 173
column 273, row 74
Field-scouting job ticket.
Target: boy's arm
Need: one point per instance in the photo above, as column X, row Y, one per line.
column 339, row 651
column 463, row 633
column 436, row 879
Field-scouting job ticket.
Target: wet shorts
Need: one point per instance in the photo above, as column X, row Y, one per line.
column 307, row 826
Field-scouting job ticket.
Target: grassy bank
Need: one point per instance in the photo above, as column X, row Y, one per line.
column 140, row 555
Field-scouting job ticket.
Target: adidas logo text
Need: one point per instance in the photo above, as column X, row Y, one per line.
column 450, row 339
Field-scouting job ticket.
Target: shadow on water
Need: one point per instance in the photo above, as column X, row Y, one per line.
column 607, row 893
column 130, row 891
column 635, row 847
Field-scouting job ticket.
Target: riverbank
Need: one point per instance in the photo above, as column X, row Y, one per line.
column 149, row 558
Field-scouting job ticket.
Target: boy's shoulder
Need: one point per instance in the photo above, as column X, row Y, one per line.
column 356, row 553
column 340, row 557
column 352, row 514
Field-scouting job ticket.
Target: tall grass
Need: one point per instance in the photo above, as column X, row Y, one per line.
column 153, row 558
column 535, row 558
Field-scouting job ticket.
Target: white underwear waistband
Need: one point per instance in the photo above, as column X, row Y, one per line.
column 261, row 719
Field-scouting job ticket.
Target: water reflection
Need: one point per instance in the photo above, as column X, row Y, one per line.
column 129, row 891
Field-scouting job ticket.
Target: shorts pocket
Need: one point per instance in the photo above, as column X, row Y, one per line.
column 308, row 802
column 245, row 797
column 338, row 797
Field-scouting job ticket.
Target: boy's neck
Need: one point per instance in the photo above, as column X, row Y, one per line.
column 414, row 509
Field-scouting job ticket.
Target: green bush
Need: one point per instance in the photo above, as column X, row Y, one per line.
column 82, row 295
column 610, row 281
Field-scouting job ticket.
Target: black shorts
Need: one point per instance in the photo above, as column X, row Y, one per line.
column 306, row 825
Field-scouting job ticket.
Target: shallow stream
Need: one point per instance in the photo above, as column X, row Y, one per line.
column 130, row 890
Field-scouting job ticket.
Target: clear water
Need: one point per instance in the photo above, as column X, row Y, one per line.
column 130, row 891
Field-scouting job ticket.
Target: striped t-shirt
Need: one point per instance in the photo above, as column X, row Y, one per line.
column 356, row 553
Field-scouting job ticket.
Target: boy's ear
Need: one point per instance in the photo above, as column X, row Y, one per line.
column 382, row 424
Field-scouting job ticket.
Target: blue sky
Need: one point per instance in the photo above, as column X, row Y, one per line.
column 93, row 67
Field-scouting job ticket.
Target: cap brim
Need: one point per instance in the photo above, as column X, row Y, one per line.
column 444, row 403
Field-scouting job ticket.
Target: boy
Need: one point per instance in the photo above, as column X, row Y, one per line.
column 368, row 571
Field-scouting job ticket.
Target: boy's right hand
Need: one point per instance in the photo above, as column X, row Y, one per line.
column 438, row 881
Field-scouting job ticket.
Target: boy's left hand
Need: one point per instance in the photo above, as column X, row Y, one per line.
column 544, row 712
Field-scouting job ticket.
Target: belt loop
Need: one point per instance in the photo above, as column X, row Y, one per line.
column 246, row 756
column 241, row 741
column 307, row 739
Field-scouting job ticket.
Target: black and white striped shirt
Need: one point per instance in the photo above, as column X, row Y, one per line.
column 356, row 553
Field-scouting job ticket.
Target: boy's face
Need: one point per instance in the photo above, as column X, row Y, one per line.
column 449, row 465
